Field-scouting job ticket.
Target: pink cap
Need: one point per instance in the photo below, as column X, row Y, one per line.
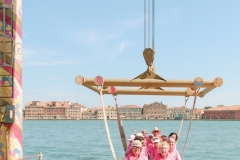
column 131, row 138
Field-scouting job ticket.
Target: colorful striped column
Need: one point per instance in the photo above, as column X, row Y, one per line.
column 11, row 82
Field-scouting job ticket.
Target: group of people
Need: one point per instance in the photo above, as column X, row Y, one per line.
column 152, row 147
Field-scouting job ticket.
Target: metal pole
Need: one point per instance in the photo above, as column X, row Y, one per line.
column 40, row 156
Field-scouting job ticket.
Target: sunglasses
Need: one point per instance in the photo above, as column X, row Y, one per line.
column 136, row 147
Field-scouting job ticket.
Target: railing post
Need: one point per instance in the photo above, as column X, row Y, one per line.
column 39, row 156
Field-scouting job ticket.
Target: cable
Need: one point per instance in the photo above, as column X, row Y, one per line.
column 145, row 24
column 180, row 128
column 148, row 23
column 153, row 23
column 189, row 127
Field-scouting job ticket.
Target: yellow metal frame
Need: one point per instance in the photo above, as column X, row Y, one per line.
column 149, row 83
column 150, row 86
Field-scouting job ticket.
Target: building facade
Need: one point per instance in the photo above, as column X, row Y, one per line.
column 178, row 113
column 90, row 113
column 155, row 110
column 110, row 112
column 53, row 110
column 222, row 112
column 130, row 112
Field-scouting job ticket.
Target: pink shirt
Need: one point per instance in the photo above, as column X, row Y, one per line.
column 153, row 152
column 174, row 154
column 142, row 156
column 159, row 157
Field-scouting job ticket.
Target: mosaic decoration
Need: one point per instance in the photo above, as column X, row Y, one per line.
column 11, row 86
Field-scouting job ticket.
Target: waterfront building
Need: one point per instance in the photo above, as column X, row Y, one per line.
column 90, row 113
column 110, row 112
column 178, row 113
column 74, row 111
column 155, row 110
column 222, row 112
column 130, row 112
column 198, row 113
column 52, row 110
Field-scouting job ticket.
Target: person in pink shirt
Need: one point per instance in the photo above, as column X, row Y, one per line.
column 136, row 152
column 131, row 138
column 174, row 136
column 163, row 153
column 144, row 132
column 154, row 150
column 173, row 150
column 156, row 132
column 143, row 141
column 150, row 141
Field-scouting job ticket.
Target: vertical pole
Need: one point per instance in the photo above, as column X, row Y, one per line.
column 11, row 134
column 120, row 126
column 39, row 156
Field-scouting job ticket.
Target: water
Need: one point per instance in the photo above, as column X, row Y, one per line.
column 87, row 139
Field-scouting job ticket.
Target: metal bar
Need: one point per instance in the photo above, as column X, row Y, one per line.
column 149, row 83
column 205, row 91
column 145, row 92
column 93, row 88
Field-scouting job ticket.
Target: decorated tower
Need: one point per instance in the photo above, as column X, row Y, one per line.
column 11, row 79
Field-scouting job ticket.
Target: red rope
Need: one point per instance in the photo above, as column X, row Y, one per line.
column 29, row 157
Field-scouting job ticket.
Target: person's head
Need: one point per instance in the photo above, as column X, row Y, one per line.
column 131, row 138
column 163, row 148
column 164, row 138
column 173, row 135
column 136, row 147
column 150, row 137
column 139, row 134
column 156, row 132
column 171, row 143
column 141, row 139
column 144, row 132
column 156, row 140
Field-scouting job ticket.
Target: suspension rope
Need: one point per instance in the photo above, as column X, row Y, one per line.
column 180, row 128
column 148, row 23
column 120, row 125
column 189, row 127
column 153, row 23
column 106, row 125
column 145, row 24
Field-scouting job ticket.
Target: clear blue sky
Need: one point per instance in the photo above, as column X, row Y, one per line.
column 63, row 39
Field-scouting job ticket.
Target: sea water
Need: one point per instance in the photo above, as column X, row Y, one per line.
column 87, row 139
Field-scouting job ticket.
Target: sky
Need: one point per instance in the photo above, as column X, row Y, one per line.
column 64, row 39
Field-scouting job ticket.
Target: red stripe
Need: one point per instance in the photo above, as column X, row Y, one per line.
column 15, row 73
column 17, row 76
column 16, row 131
column 15, row 26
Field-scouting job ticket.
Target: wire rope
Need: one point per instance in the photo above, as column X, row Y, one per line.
column 153, row 23
column 145, row 24
column 180, row 128
column 189, row 127
column 149, row 23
